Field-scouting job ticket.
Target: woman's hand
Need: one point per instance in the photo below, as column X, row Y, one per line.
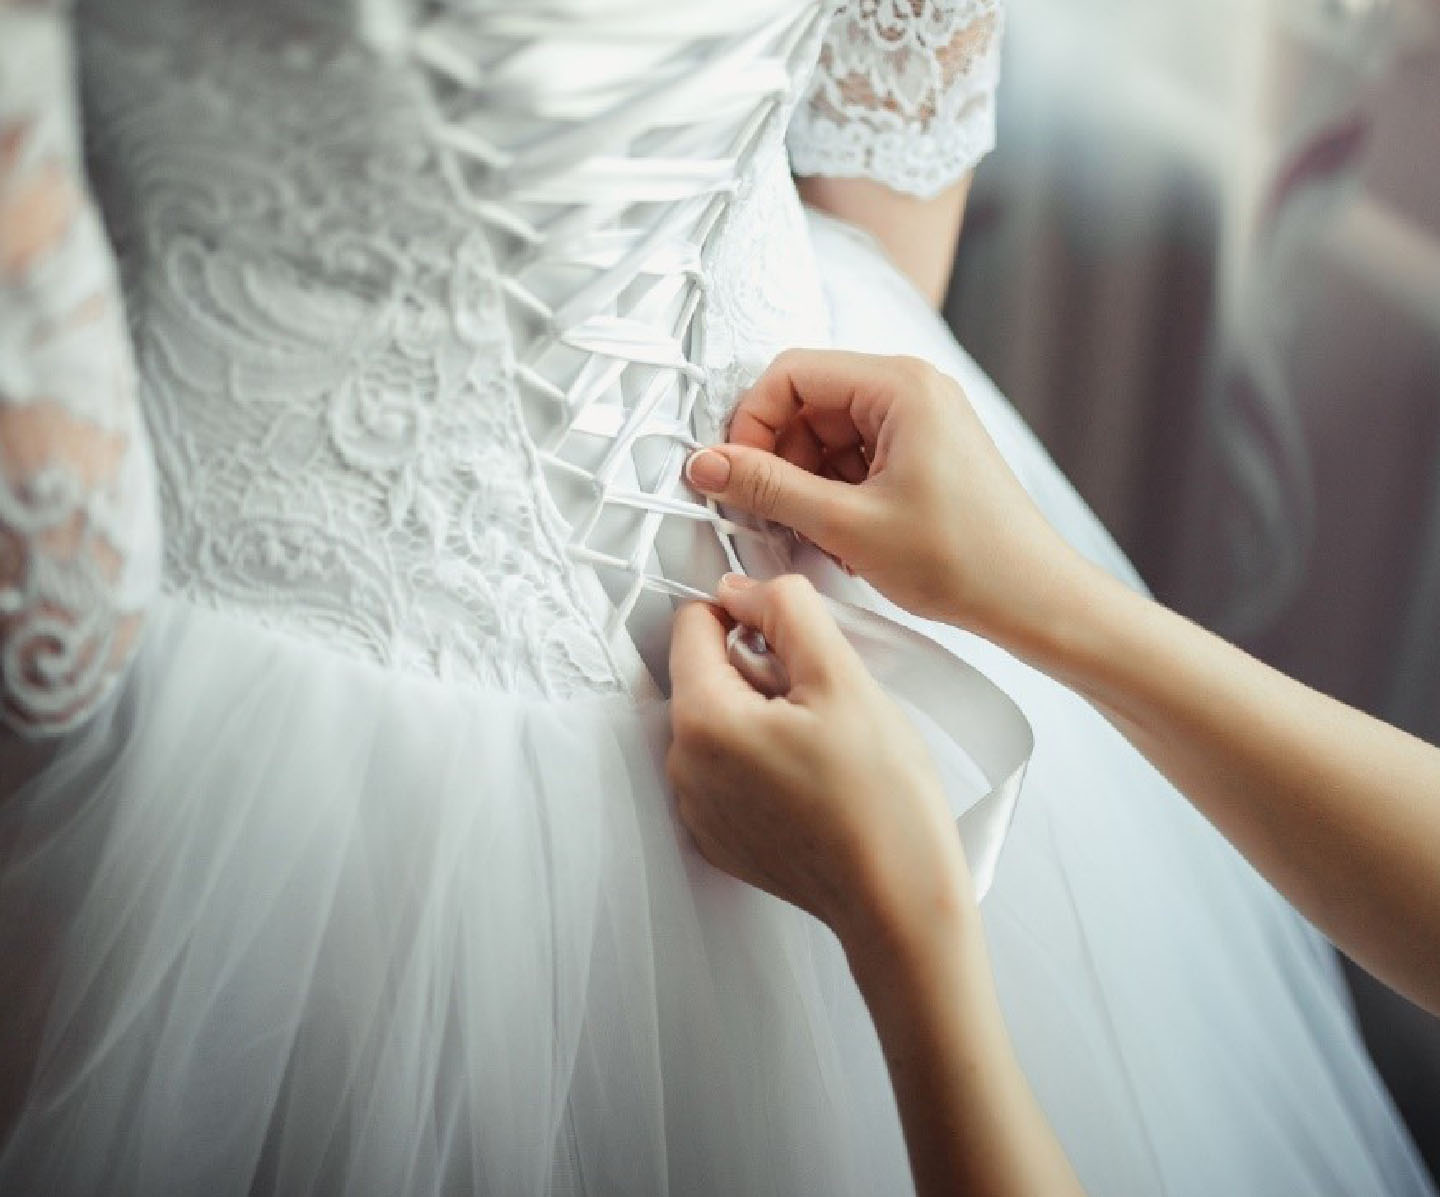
column 882, row 463
column 826, row 797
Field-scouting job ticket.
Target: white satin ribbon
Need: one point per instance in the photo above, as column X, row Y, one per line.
column 980, row 719
column 964, row 706
column 588, row 84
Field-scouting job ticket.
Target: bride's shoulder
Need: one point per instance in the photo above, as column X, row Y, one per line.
column 902, row 92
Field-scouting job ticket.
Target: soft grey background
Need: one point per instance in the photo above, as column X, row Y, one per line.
column 1205, row 264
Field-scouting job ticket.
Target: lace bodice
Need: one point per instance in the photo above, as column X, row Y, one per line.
column 405, row 298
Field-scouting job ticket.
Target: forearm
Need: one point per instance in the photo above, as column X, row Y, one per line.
column 1338, row 810
column 920, row 235
column 971, row 1123
column 826, row 798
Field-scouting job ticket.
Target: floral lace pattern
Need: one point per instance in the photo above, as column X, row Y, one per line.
column 79, row 536
column 903, row 93
column 324, row 357
column 764, row 293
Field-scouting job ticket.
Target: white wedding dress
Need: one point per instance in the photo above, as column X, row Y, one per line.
column 336, row 853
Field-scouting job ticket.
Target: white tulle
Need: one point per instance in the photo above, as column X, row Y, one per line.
column 366, row 878
column 328, row 927
column 335, row 929
column 1184, row 1029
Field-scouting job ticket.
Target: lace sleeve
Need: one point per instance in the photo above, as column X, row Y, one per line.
column 79, row 534
column 903, row 93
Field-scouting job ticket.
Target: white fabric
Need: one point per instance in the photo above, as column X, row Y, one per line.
column 326, row 364
column 368, row 879
column 1185, row 1031
column 904, row 93
column 336, row 929
column 77, row 499
column 332, row 927
column 980, row 739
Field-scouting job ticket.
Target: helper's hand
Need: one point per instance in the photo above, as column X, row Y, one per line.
column 826, row 797
column 882, row 463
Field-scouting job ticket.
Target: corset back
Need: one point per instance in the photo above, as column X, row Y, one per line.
column 400, row 281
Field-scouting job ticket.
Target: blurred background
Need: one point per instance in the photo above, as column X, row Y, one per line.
column 1205, row 265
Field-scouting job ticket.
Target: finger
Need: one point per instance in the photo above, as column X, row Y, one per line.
column 834, row 429
column 848, row 464
column 798, row 625
column 772, row 488
column 718, row 855
column 798, row 444
column 700, row 669
column 855, row 386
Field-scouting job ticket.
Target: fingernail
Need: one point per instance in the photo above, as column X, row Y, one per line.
column 708, row 471
column 737, row 582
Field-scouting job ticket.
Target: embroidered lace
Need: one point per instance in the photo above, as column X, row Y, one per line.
column 79, row 537
column 420, row 343
column 903, row 93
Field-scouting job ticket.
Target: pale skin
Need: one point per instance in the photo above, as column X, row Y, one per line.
column 826, row 798
column 822, row 798
column 919, row 234
column 37, row 211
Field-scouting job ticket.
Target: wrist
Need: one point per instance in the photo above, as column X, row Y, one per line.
column 1091, row 641
column 1058, row 616
column 924, row 962
column 907, row 917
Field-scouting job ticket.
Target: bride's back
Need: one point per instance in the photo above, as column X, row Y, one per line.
column 428, row 305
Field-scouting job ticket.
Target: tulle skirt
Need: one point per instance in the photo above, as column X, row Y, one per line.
column 327, row 928
column 279, row 921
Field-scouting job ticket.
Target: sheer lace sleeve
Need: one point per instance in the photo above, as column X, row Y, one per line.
column 904, row 93
column 79, row 534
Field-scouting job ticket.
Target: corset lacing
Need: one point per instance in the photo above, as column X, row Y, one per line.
column 591, row 145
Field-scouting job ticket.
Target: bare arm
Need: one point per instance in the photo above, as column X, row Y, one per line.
column 920, row 235
column 1339, row 811
column 827, row 798
column 972, row 1124
column 898, row 113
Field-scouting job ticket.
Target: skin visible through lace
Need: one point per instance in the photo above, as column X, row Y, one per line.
column 38, row 433
column 64, row 574
column 955, row 61
column 903, row 94
column 76, row 569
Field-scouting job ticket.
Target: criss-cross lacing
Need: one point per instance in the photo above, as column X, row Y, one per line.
column 563, row 195
column 580, row 152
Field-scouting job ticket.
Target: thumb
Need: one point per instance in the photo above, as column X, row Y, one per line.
column 799, row 627
column 772, row 488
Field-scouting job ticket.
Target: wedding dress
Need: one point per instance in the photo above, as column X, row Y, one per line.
column 336, row 853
